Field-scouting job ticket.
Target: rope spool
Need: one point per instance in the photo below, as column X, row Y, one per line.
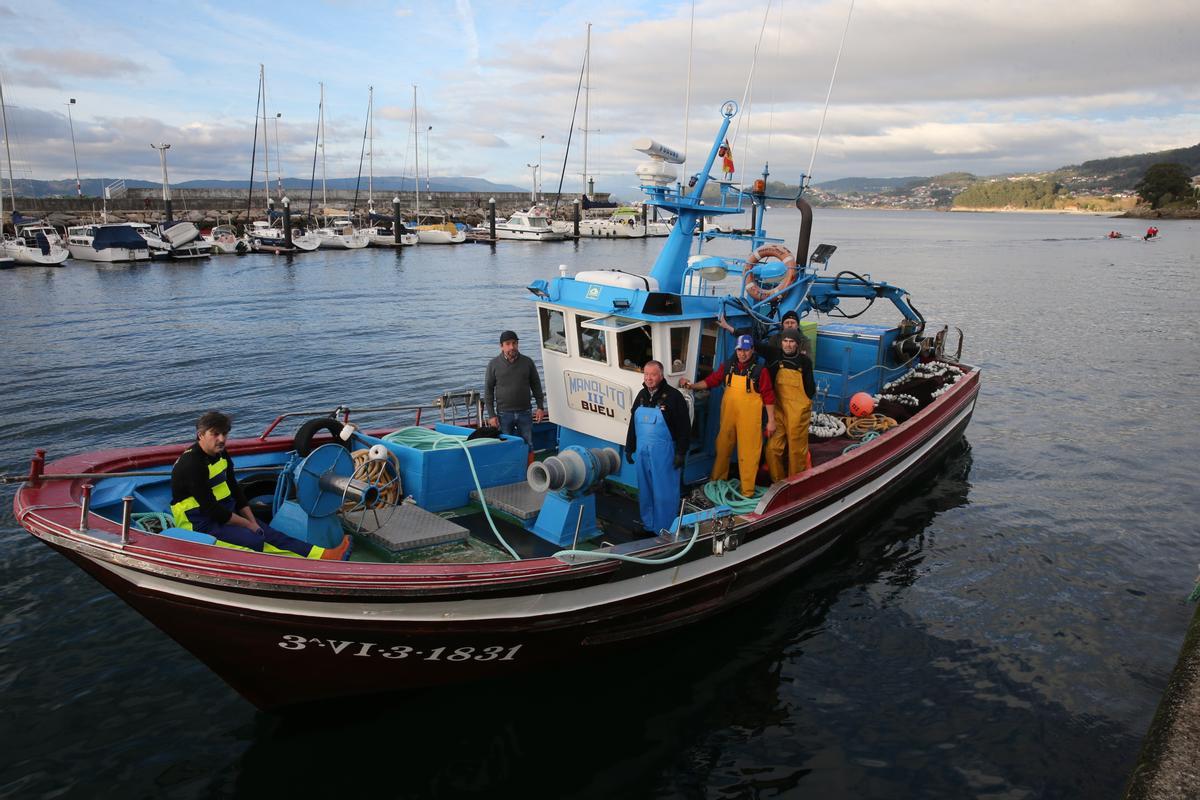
column 384, row 473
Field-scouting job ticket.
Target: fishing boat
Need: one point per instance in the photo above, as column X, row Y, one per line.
column 472, row 563
column 108, row 242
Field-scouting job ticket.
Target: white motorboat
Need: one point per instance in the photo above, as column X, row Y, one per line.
column 223, row 240
column 532, row 225
column 436, row 229
column 385, row 236
column 625, row 223
column 268, row 238
column 107, row 242
column 178, row 241
column 35, row 244
column 342, row 235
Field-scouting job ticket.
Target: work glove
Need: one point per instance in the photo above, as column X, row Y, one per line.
column 678, row 461
column 629, row 456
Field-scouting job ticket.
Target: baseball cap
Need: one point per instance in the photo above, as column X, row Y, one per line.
column 745, row 342
column 509, row 336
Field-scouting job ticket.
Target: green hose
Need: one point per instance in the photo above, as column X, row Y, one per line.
column 727, row 493
column 158, row 521
column 427, row 439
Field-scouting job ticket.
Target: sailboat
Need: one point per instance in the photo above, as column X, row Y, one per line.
column 276, row 234
column 338, row 233
column 431, row 228
column 33, row 242
column 381, row 228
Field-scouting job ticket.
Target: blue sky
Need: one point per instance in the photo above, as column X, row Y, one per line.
column 924, row 86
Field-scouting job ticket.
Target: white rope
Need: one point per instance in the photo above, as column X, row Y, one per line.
column 687, row 99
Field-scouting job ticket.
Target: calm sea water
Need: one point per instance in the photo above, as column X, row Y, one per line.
column 1004, row 632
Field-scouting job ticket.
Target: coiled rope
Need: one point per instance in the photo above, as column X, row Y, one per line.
column 859, row 427
column 727, row 493
column 427, row 439
column 152, row 521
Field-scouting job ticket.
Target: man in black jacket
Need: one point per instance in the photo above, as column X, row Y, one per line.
column 205, row 497
column 659, row 429
column 792, row 376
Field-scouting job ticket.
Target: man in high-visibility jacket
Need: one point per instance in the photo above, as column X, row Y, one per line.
column 792, row 374
column 205, row 497
column 748, row 390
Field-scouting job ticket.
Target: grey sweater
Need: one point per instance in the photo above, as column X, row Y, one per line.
column 507, row 387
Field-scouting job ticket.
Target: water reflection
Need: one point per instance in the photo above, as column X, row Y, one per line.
column 654, row 718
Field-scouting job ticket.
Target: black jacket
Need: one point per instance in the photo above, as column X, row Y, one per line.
column 674, row 410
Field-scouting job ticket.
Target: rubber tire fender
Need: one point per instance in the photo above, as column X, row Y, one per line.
column 303, row 441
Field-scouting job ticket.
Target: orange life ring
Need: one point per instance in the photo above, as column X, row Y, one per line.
column 769, row 251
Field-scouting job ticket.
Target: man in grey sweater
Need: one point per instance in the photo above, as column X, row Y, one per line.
column 510, row 380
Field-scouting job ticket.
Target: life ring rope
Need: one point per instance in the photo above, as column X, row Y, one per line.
column 751, row 286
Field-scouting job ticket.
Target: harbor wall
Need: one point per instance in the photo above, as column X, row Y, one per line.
column 210, row 206
column 1168, row 767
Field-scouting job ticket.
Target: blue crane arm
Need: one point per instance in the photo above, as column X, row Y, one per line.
column 825, row 293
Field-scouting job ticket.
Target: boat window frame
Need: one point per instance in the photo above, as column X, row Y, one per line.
column 621, row 344
column 687, row 346
column 544, row 313
column 580, row 326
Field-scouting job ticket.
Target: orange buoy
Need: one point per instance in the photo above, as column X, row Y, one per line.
column 862, row 404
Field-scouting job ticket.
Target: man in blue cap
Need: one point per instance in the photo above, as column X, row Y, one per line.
column 510, row 380
column 748, row 390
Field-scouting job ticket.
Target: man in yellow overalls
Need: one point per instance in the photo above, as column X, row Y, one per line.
column 748, row 390
column 792, row 373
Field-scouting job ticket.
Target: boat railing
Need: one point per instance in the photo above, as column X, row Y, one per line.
column 463, row 407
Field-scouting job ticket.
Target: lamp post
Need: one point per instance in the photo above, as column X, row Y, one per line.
column 541, row 141
column 278, row 157
column 428, row 193
column 162, row 157
column 71, row 122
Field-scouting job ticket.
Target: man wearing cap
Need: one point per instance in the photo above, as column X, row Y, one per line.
column 770, row 348
column 510, row 380
column 792, row 377
column 748, row 390
column 659, row 431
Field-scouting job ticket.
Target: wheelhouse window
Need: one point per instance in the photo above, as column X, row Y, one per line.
column 708, row 351
column 592, row 343
column 554, row 330
column 634, row 347
column 680, row 337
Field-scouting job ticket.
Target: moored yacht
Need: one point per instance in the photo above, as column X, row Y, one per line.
column 107, row 242
column 34, row 244
column 532, row 225
column 341, row 234
column 266, row 237
column 437, row 229
column 223, row 240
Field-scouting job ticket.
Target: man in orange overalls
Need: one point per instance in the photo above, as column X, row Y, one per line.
column 748, row 390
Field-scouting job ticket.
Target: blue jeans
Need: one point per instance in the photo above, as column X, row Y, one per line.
column 519, row 423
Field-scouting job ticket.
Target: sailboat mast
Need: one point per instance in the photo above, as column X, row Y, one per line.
column 587, row 94
column 321, row 134
column 262, row 85
column 371, row 144
column 8, row 158
column 416, row 156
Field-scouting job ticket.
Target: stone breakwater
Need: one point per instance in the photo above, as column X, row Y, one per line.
column 207, row 207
